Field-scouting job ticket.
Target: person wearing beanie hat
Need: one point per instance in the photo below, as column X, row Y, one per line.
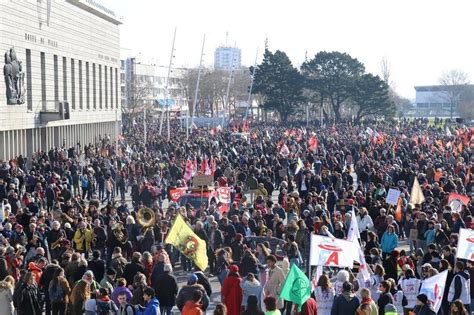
column 231, row 291
column 108, row 282
column 423, row 306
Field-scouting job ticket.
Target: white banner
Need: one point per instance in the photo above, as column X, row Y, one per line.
column 332, row 252
column 465, row 244
column 433, row 287
column 392, row 196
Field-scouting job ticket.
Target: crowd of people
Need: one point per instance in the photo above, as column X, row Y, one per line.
column 71, row 241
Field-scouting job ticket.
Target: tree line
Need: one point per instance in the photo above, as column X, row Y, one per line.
column 334, row 81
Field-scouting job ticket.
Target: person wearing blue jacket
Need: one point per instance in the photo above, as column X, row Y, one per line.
column 389, row 241
column 152, row 306
column 430, row 233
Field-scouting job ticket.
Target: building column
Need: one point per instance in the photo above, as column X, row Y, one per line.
column 2, row 145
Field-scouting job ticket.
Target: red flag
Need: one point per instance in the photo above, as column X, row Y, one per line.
column 398, row 210
column 176, row 193
column 313, row 143
column 188, row 173
column 212, row 167
column 204, row 166
column 455, row 201
column 284, row 150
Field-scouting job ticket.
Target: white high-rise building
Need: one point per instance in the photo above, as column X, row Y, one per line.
column 226, row 58
column 61, row 84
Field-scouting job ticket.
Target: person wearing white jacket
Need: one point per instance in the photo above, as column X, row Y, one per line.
column 410, row 287
column 365, row 223
column 324, row 294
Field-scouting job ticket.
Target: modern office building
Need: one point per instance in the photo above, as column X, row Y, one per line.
column 227, row 58
column 61, row 75
column 438, row 100
column 145, row 85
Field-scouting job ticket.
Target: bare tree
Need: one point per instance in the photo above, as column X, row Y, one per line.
column 212, row 88
column 454, row 82
column 386, row 70
column 140, row 93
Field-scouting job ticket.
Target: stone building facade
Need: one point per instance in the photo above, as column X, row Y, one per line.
column 70, row 62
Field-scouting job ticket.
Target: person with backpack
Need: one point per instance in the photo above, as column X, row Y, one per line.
column 58, row 292
column 124, row 307
column 152, row 307
column 105, row 306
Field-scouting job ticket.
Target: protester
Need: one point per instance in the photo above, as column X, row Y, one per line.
column 271, row 306
column 324, row 295
column 6, row 296
column 346, row 303
column 59, row 292
column 63, row 207
column 187, row 292
column 232, row 292
column 166, row 289
column 193, row 306
column 152, row 305
column 274, row 283
column 250, row 287
column 252, row 307
column 423, row 306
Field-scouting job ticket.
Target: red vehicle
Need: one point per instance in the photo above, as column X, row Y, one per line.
column 196, row 197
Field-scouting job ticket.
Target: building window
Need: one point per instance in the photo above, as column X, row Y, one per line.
column 43, row 79
column 106, row 88
column 94, row 87
column 111, row 88
column 100, row 86
column 88, row 100
column 56, row 79
column 116, row 89
column 73, row 84
column 64, row 79
column 29, row 90
column 80, row 84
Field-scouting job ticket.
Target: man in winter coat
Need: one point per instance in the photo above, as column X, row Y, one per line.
column 152, row 307
column 276, row 278
column 186, row 293
column 460, row 287
column 166, row 289
column 346, row 303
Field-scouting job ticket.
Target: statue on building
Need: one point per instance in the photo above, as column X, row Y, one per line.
column 14, row 79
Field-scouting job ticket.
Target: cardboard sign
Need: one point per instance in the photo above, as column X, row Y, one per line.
column 392, row 196
column 203, row 180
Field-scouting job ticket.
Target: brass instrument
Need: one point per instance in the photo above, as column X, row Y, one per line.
column 121, row 237
column 146, row 218
column 20, row 250
column 57, row 243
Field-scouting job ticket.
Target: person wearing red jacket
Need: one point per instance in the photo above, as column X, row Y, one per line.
column 309, row 307
column 232, row 292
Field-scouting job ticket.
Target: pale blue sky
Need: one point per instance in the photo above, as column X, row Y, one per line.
column 420, row 38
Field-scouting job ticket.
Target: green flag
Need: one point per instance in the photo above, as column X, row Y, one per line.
column 296, row 288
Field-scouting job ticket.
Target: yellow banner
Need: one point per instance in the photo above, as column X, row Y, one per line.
column 187, row 242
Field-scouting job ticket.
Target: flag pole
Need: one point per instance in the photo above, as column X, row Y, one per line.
column 197, row 82
column 166, row 87
column 251, row 86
